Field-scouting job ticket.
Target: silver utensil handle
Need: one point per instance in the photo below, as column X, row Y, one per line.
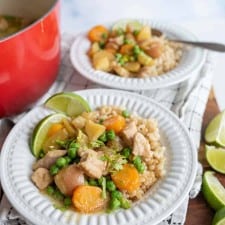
column 208, row 45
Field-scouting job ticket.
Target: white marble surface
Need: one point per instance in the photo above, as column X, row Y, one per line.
column 206, row 18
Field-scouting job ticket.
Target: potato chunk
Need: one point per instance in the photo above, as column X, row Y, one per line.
column 102, row 60
column 94, row 130
column 145, row 60
column 144, row 34
column 132, row 66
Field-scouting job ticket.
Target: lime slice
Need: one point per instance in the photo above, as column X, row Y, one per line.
column 216, row 157
column 213, row 190
column 69, row 103
column 122, row 24
column 41, row 130
column 219, row 218
column 215, row 131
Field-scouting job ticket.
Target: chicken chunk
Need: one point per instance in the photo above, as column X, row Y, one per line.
column 121, row 71
column 142, row 147
column 79, row 122
column 41, row 178
column 69, row 178
column 119, row 40
column 127, row 134
column 49, row 159
column 116, row 144
column 92, row 164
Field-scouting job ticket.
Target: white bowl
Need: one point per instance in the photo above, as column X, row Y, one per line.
column 159, row 202
column 190, row 63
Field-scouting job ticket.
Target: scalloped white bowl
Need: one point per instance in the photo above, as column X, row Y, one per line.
column 159, row 202
column 191, row 61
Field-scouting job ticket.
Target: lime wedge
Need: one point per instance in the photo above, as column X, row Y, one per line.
column 213, row 190
column 69, row 103
column 41, row 130
column 215, row 131
column 122, row 24
column 219, row 218
column 216, row 158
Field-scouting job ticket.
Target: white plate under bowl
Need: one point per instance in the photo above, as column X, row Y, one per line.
column 191, row 61
column 159, row 202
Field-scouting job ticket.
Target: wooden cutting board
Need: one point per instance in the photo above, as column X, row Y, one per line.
column 199, row 212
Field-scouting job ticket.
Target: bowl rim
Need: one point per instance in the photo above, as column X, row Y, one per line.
column 192, row 152
column 82, row 64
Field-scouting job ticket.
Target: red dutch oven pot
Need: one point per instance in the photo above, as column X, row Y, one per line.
column 29, row 59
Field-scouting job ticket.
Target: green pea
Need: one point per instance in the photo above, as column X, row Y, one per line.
column 68, row 159
column 137, row 160
column 72, row 152
column 54, row 169
column 93, row 182
column 127, row 41
column 74, row 145
column 126, row 152
column 101, row 180
column 114, row 204
column 61, row 162
column 50, row 190
column 116, row 194
column 103, row 137
column 110, row 185
column 136, row 50
column 62, row 144
column 67, row 201
column 118, row 56
column 125, row 114
column 58, row 195
column 110, row 135
column 139, row 164
column 125, row 203
column 141, row 168
column 125, row 58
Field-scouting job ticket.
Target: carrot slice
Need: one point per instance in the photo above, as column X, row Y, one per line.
column 88, row 199
column 127, row 179
column 54, row 129
column 98, row 33
column 127, row 49
column 115, row 123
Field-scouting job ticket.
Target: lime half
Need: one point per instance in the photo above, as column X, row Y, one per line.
column 69, row 103
column 213, row 190
column 122, row 24
column 219, row 218
column 41, row 130
column 215, row 131
column 216, row 158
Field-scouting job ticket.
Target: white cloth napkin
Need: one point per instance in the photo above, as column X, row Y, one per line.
column 187, row 100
